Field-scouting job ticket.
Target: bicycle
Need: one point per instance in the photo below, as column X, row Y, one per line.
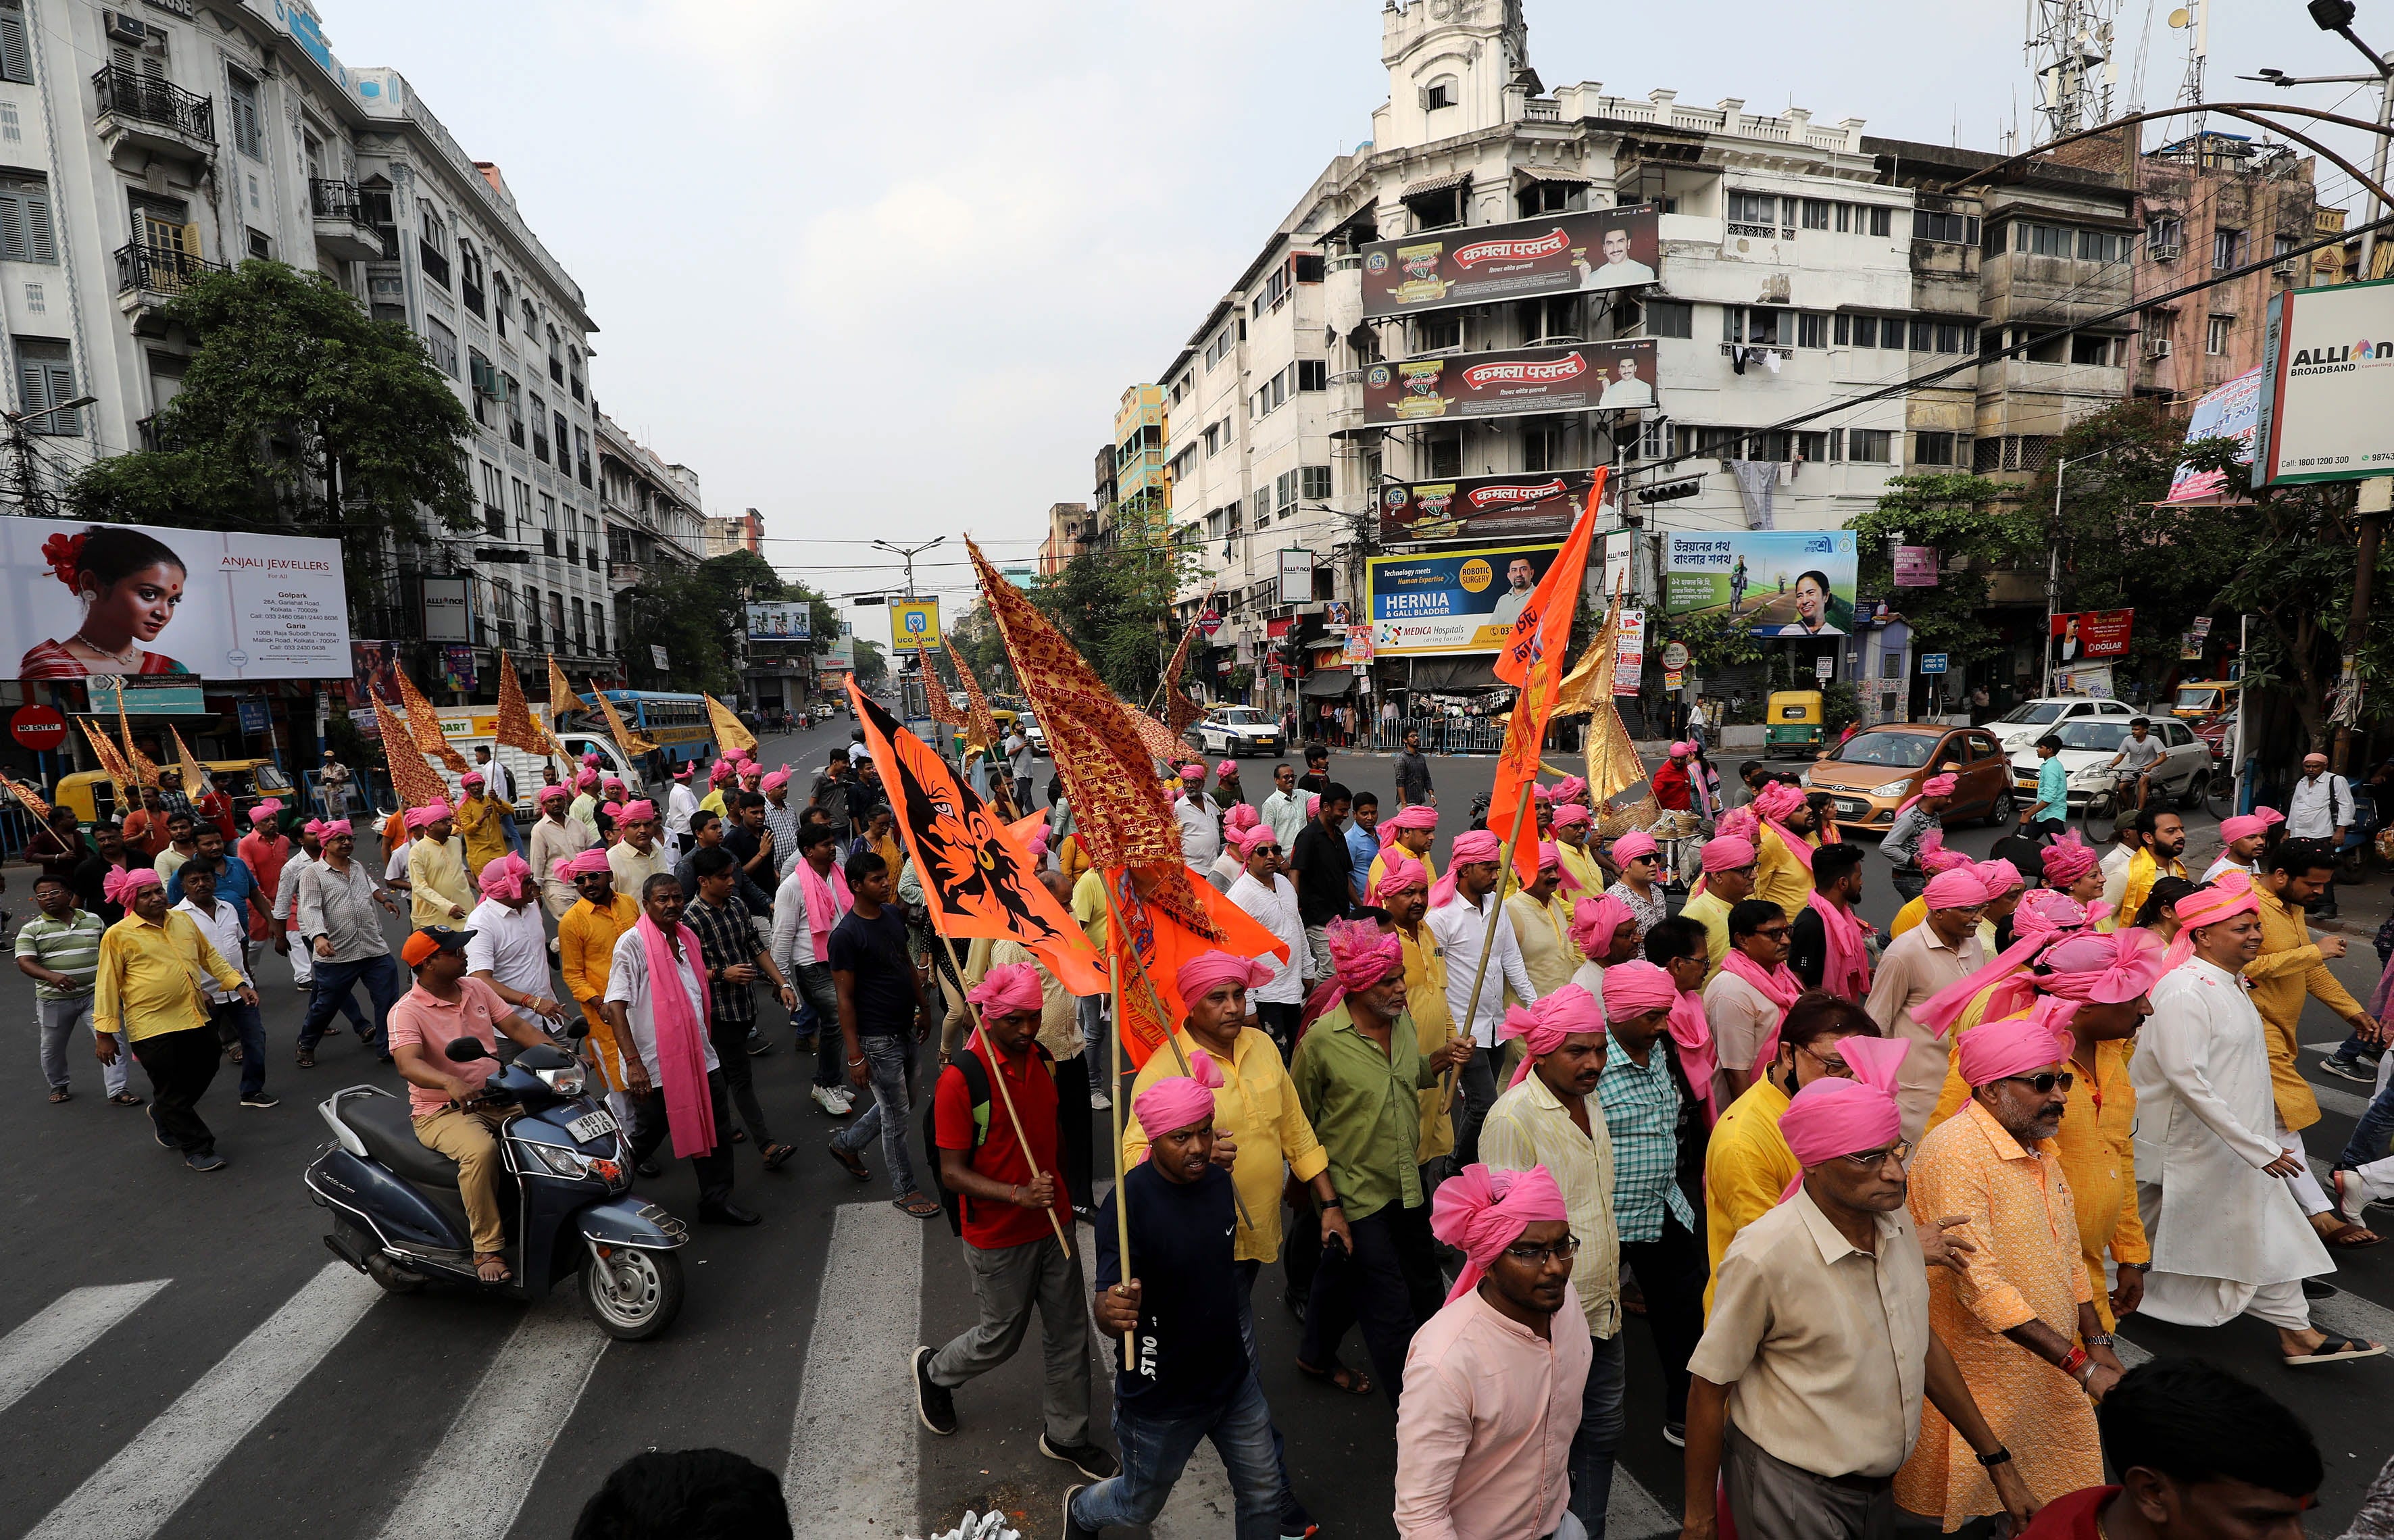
column 2104, row 808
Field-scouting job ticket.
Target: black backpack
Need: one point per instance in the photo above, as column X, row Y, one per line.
column 968, row 1064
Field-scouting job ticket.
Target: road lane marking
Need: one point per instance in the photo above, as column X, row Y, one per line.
column 472, row 1485
column 133, row 1496
column 853, row 1466
column 2335, row 1100
column 66, row 1326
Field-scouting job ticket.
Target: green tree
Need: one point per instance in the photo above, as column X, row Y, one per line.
column 298, row 415
column 871, row 664
column 1976, row 530
column 1114, row 604
column 681, row 611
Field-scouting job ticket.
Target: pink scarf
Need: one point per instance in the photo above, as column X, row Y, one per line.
column 681, row 1039
column 1778, row 986
column 1773, row 805
column 1694, row 1035
column 821, row 914
column 1847, row 971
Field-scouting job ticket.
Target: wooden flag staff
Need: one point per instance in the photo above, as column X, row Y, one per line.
column 980, row 1029
column 1488, row 939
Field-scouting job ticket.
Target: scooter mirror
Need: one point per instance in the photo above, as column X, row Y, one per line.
column 465, row 1050
column 577, row 1028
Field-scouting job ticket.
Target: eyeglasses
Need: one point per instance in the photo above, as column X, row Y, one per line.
column 1538, row 1257
column 1263, row 850
column 1871, row 1160
column 1836, row 1067
column 2044, row 1081
column 1775, row 932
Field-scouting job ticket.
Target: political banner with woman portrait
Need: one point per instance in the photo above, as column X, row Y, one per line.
column 1774, row 583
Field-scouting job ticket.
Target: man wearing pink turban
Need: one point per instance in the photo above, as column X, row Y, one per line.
column 508, row 949
column 266, row 849
column 1542, row 925
column 2026, row 1306
column 1459, row 916
column 439, row 891
column 1402, row 892
column 1784, row 870
column 2070, row 866
column 638, row 854
column 555, row 836
column 1915, row 817
column 1604, row 932
column 147, row 997
column 1583, row 872
column 1728, row 863
column 1264, row 892
column 1812, row 1371
column 2241, row 840
column 1924, row 961
column 1411, row 830
column 1495, row 1374
column 1746, row 1001
column 1639, row 885
column 1671, row 792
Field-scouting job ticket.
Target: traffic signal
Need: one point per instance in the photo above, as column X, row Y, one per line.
column 1671, row 492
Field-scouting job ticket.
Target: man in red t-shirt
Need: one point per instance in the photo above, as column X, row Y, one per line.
column 1671, row 781
column 1008, row 1196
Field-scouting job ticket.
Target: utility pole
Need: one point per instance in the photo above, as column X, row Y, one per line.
column 897, row 662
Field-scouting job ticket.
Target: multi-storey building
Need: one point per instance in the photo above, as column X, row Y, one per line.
column 740, row 531
column 1069, row 532
column 655, row 521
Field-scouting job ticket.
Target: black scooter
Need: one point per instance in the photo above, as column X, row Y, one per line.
column 564, row 1189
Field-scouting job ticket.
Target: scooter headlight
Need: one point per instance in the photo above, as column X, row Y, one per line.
column 573, row 1163
column 564, row 1082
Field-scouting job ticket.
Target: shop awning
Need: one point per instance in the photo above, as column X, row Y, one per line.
column 1436, row 184
column 1551, row 174
column 1326, row 682
column 1453, row 675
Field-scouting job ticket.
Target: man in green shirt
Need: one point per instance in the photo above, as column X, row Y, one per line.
column 59, row 949
column 1357, row 1071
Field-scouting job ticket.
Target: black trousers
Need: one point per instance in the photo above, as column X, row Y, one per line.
column 180, row 1065
column 1075, row 1147
column 713, row 1168
column 1671, row 1269
column 1389, row 1285
column 1278, row 1020
column 731, row 1051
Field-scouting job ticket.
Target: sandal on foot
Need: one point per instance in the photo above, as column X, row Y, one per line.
column 776, row 1154
column 1338, row 1377
column 60, row 1093
column 2350, row 1237
column 2333, row 1348
column 491, row 1267
column 916, row 1204
column 848, row 1163
column 307, row 1058
column 739, row 1136
column 124, row 1098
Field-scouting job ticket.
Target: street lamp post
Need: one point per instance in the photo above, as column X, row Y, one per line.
column 907, row 555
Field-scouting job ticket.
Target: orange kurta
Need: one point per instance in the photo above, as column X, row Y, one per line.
column 2022, row 1220
column 585, row 948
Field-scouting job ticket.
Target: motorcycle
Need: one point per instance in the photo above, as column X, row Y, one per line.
column 564, row 1187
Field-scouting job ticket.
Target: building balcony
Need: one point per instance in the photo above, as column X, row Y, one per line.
column 342, row 229
column 626, row 574
column 141, row 111
column 147, row 276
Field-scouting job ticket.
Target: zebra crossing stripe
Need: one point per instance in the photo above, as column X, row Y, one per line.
column 853, row 1466
column 72, row 1322
column 137, row 1491
column 473, row 1484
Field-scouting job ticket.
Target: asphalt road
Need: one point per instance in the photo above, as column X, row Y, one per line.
column 180, row 1356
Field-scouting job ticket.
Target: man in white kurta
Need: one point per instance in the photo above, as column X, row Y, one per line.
column 1269, row 899
column 2227, row 1236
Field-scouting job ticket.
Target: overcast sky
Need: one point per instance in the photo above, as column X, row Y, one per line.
column 882, row 269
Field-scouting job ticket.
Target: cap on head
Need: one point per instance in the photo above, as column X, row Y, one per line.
column 419, row 948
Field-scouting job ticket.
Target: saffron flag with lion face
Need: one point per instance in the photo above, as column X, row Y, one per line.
column 977, row 875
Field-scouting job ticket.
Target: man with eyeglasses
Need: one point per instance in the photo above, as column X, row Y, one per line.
column 1808, row 1382
column 1544, row 1120
column 1745, row 1000
column 2023, row 1307
column 1729, row 863
column 1922, row 961
column 1270, row 900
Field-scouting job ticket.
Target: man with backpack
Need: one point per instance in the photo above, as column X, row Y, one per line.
column 997, row 1173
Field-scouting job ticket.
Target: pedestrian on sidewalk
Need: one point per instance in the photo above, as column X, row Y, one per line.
column 1413, row 773
column 1007, row 1216
column 241, row 1031
column 883, row 1014
column 339, row 913
column 146, row 996
column 59, row 949
column 807, row 907
column 1192, row 1374
column 728, row 947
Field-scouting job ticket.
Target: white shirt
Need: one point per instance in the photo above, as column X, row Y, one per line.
column 632, row 869
column 286, row 886
column 511, row 945
column 395, row 869
column 680, row 802
column 1284, row 812
column 2225, row 864
column 498, row 780
column 2115, row 875
column 1274, row 908
column 2318, row 806
column 793, row 937
column 1200, row 831
column 628, row 984
column 1459, row 925
column 225, row 930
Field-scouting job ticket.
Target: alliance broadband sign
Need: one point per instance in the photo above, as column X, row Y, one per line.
column 2327, row 393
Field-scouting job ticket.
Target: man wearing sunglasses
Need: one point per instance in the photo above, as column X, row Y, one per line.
column 1730, row 863
column 1270, row 898
column 2027, row 1308
column 1926, row 960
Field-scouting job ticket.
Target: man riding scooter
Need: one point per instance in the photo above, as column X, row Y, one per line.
column 443, row 1094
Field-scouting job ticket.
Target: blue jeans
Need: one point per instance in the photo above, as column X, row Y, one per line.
column 1155, row 1450
column 1592, row 1447
column 2354, row 1047
column 238, row 1024
column 380, row 976
column 1294, row 1519
column 2372, row 1134
column 889, row 1061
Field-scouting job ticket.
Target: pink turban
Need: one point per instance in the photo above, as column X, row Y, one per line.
column 1936, row 786
column 1241, row 816
column 1571, row 813
column 1399, row 871
column 1178, row 1101
column 471, row 778
column 613, row 786
column 683, row 772
column 1007, row 990
column 1725, row 853
column 420, row 818
column 2044, row 918
column 1542, row 793
column 774, row 779
column 2001, row 877
column 1935, row 858
column 1741, row 821
column 121, row 882
column 1571, row 788
column 614, row 810
column 1251, row 839
column 333, row 830
column 1549, row 858
column 2269, row 817
column 1195, row 774
column 2068, row 859
column 1227, row 769
column 1832, row 1117
column 1773, row 804
column 1313, row 805
column 2242, row 826
column 1636, row 843
column 1480, row 1212
column 264, row 813
column 505, row 877
column 1037, row 844
column 1995, row 1050
column 589, row 861
column 643, row 812
column 315, row 826
column 1542, row 1026
column 2224, row 896
column 553, row 794
column 1416, row 815
column 1681, row 749
column 1959, row 888
column 1209, row 971
column 1595, row 921
column 590, row 757
column 2103, row 969
column 723, row 772
column 1362, row 954
column 1471, row 846
column 587, row 780
column 1633, row 988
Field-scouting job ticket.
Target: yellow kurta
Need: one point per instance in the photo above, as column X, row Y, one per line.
column 2144, row 872
column 1583, row 869
column 2099, row 1156
column 147, row 982
column 1256, row 1105
column 1747, row 1164
column 2289, row 968
column 585, row 950
column 436, row 879
column 1780, row 875
column 1380, row 864
column 1543, row 932
column 1709, row 911
column 713, row 802
column 2024, row 1224
column 1914, row 911
column 1433, row 1028
column 478, row 827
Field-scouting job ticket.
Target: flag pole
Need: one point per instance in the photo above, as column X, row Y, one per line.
column 980, row 1029
column 1488, row 937
column 1114, row 1095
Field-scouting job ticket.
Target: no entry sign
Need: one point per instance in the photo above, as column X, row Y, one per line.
column 38, row 727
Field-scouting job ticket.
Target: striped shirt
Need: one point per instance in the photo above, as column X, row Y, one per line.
column 1641, row 1113
column 69, row 946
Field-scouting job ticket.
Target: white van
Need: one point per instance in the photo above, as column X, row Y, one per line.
column 469, row 727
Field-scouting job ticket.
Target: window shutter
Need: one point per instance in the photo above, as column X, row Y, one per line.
column 33, row 386
column 16, row 58
column 12, row 226
column 38, row 240
column 61, row 389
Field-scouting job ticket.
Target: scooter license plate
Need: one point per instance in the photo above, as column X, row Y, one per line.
column 589, row 1126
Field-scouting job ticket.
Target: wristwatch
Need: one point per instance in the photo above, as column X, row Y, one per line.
column 2001, row 1456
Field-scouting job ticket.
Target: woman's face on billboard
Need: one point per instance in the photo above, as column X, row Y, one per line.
column 136, row 606
column 1810, row 600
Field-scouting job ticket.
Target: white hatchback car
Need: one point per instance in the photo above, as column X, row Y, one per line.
column 2021, row 726
column 2087, row 746
column 1236, row 731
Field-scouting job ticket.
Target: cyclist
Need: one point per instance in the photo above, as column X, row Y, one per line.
column 2139, row 752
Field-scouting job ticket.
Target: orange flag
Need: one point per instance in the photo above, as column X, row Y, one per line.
column 1151, row 940
column 423, row 724
column 144, row 773
column 976, row 874
column 730, row 732
column 418, row 785
column 1532, row 660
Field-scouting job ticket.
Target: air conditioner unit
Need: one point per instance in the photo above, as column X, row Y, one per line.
column 126, row 29
column 2163, row 253
column 2157, row 347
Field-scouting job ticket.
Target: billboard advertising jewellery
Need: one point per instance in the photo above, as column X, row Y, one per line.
column 781, row 622
column 1486, row 507
column 79, row 598
column 1582, row 377
column 1775, row 583
column 1599, row 249
column 1452, row 601
column 2327, row 393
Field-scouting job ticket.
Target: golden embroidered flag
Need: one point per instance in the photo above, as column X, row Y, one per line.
column 981, row 728
column 111, row 759
column 1179, row 711
column 194, row 774
column 561, row 695
column 515, row 728
column 1613, row 763
column 1160, row 740
column 30, row 797
column 144, row 773
column 934, row 694
column 632, row 744
column 1532, row 662
column 730, row 732
column 977, row 875
column 418, row 785
column 423, row 724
